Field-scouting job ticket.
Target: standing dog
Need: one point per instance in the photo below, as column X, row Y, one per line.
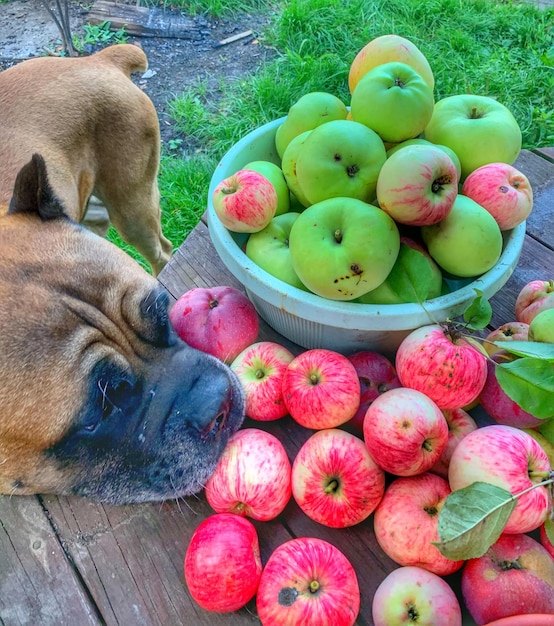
column 98, row 133
column 98, row 396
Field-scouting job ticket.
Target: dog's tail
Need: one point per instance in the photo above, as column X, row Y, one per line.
column 125, row 56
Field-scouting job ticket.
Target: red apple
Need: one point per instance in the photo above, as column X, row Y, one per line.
column 460, row 423
column 534, row 297
column 376, row 374
column 547, row 540
column 218, row 320
column 509, row 458
column 252, row 477
column 417, row 185
column 405, row 432
column 222, row 563
column 503, row 190
column 334, row 479
column 514, row 577
column 413, row 595
column 442, row 364
column 499, row 405
column 245, row 202
column 260, row 368
column 321, row 389
column 308, row 581
column 510, row 331
column 405, row 522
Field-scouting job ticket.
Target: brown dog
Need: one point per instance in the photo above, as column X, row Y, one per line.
column 98, row 396
column 98, row 133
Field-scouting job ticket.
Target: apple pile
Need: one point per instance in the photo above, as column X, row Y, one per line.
column 394, row 188
column 386, row 443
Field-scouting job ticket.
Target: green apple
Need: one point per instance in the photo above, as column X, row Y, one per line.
column 269, row 248
column 467, row 242
column 393, row 100
column 479, row 129
column 541, row 327
column 311, row 110
column 288, row 167
column 415, row 277
column 418, row 141
column 342, row 248
column 275, row 175
column 340, row 159
column 388, row 48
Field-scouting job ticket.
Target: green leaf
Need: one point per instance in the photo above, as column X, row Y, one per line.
column 412, row 276
column 479, row 313
column 472, row 519
column 530, row 383
column 535, row 349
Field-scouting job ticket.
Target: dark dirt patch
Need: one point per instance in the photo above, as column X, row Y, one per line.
column 27, row 30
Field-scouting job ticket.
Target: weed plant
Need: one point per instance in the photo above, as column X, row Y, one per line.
column 499, row 48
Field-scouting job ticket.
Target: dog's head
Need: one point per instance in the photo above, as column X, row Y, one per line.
column 98, row 396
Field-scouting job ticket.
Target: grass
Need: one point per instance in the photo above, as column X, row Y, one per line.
column 503, row 49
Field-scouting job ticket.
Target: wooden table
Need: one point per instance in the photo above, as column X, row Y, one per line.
column 71, row 561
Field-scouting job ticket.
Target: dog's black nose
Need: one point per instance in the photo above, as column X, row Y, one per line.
column 204, row 395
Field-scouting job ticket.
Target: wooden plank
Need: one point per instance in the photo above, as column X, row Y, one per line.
column 38, row 584
column 131, row 558
column 144, row 21
column 547, row 153
column 540, row 173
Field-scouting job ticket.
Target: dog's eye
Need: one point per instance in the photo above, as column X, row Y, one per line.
column 154, row 310
column 115, row 396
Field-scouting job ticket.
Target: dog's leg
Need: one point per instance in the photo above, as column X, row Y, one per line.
column 137, row 220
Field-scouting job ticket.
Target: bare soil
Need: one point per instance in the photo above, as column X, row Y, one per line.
column 27, row 30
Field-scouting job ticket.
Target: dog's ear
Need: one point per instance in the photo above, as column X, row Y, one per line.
column 32, row 192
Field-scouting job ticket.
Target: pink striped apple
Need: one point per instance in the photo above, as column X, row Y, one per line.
column 222, row 563
column 252, row 477
column 308, row 581
column 260, row 369
column 413, row 595
column 503, row 190
column 321, row 389
column 405, row 432
column 442, row 364
column 509, row 331
column 460, row 423
column 245, row 202
column 417, row 185
column 334, row 479
column 406, row 520
column 509, row 458
column 534, row 297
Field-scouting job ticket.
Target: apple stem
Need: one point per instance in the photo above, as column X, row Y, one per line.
column 260, row 374
column 332, row 486
column 338, row 235
column 314, row 586
column 543, row 483
column 542, row 476
column 427, row 446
